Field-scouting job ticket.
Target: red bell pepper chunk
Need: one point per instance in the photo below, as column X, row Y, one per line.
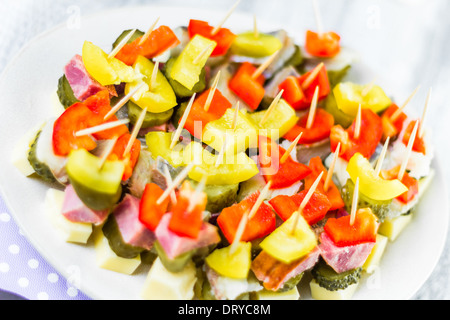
column 419, row 144
column 157, row 43
column 77, row 117
column 150, row 213
column 366, row 144
column 392, row 128
column 411, row 183
column 293, row 92
column 325, row 45
column 100, row 105
column 183, row 222
column 224, row 37
column 282, row 175
column 333, row 193
column 130, row 159
column 315, row 210
column 249, row 90
column 262, row 224
column 300, row 98
column 217, row 109
column 320, row 130
column 363, row 230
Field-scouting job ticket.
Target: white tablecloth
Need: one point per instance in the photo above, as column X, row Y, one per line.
column 406, row 40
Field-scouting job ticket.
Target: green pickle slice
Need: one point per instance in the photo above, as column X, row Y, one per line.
column 65, row 93
column 246, row 44
column 180, row 90
column 329, row 279
column 99, row 187
column 41, row 169
column 151, row 119
column 137, row 34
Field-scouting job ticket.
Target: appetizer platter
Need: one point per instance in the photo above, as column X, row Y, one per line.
column 167, row 153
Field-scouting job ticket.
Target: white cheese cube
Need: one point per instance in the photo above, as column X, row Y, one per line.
column 162, row 284
column 107, row 259
column 319, row 293
column 292, row 294
column 373, row 261
column 70, row 231
column 393, row 227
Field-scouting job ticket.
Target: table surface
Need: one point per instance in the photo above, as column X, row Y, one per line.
column 405, row 39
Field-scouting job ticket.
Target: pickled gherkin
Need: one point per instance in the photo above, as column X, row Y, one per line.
column 65, row 93
column 379, row 208
column 292, row 283
column 173, row 265
column 116, row 243
column 329, row 279
column 137, row 34
column 219, row 197
column 151, row 119
column 180, row 90
column 40, row 168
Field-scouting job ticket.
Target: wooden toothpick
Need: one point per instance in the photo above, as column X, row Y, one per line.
column 203, row 54
column 294, row 144
column 258, row 72
column 312, row 111
column 235, row 116
column 331, row 169
column 122, row 102
column 212, row 92
column 354, row 202
column 368, row 88
column 229, row 13
column 272, row 107
column 398, row 113
column 154, row 76
column 314, row 73
column 255, row 27
column 102, row 127
column 175, row 183
column 108, row 151
column 358, row 124
column 135, row 132
column 198, row 194
column 319, row 22
column 121, row 44
column 180, row 128
column 263, row 195
column 305, row 201
column 424, row 114
column 409, row 148
column 169, row 182
column 149, row 32
column 382, row 157
column 221, row 155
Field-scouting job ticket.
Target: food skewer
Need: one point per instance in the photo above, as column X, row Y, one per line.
column 122, row 102
column 149, row 32
column 312, row 111
column 102, row 127
column 121, row 44
column 272, row 107
column 330, row 173
column 412, row 139
column 424, row 114
column 229, row 13
column 154, row 75
column 202, row 54
column 314, row 73
column 255, row 27
column 212, row 92
column 135, row 132
column 294, row 144
column 169, row 182
column 397, row 113
column 248, row 216
column 320, row 28
column 235, row 116
column 358, row 124
column 198, row 193
column 221, row 155
column 368, row 88
column 305, row 202
column 354, row 202
column 180, row 128
column 175, row 183
column 108, row 151
column 258, row 72
column 382, row 157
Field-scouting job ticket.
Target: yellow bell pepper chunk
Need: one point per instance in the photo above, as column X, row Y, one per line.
column 158, row 143
column 107, row 71
column 245, row 134
column 372, row 186
column 287, row 247
column 236, row 265
column 157, row 97
column 350, row 95
column 188, row 66
column 232, row 170
column 281, row 120
column 246, row 44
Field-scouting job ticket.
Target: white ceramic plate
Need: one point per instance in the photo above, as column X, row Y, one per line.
column 26, row 88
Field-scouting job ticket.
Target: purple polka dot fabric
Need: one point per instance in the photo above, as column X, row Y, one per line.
column 24, row 272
